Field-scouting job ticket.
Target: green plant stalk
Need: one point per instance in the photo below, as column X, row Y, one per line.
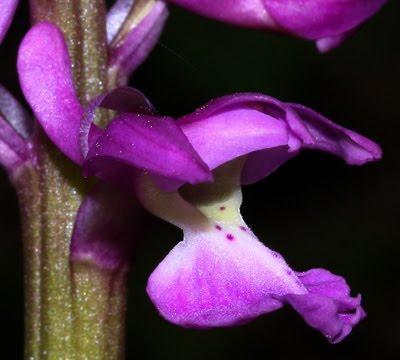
column 73, row 310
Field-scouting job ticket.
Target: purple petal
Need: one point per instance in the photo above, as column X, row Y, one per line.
column 122, row 99
column 229, row 134
column 224, row 276
column 316, row 19
column 44, row 70
column 147, row 143
column 15, row 114
column 116, row 17
column 131, row 51
column 328, row 306
column 221, row 277
column 105, row 228
column 248, row 13
column 238, row 125
column 7, row 11
column 14, row 150
column 327, row 44
column 317, row 132
column 269, row 132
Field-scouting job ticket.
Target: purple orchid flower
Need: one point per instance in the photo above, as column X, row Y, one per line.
column 43, row 56
column 220, row 274
column 328, row 22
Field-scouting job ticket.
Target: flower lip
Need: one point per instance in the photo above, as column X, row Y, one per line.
column 225, row 276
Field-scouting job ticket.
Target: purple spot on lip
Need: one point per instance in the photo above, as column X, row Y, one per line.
column 218, row 227
column 243, row 228
column 275, row 254
column 222, row 208
column 289, row 272
column 230, row 237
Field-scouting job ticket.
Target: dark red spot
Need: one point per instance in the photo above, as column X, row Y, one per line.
column 230, row 237
column 218, row 227
column 243, row 228
column 222, row 208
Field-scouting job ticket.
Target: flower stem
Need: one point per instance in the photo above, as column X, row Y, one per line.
column 73, row 310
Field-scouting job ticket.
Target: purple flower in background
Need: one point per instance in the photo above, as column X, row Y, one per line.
column 328, row 22
column 16, row 148
column 220, row 274
column 7, row 11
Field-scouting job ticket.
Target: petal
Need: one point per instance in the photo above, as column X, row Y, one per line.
column 128, row 53
column 329, row 43
column 248, row 13
column 233, row 133
column 8, row 8
column 220, row 277
column 315, row 19
column 15, row 114
column 328, row 306
column 116, row 17
column 44, row 70
column 317, row 132
column 147, row 143
column 14, row 150
column 237, row 125
column 122, row 99
column 105, row 228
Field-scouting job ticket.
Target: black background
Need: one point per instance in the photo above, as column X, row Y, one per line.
column 315, row 210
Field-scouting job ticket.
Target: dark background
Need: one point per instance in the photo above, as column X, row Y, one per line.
column 315, row 210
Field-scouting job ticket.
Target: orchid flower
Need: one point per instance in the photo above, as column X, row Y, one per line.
column 327, row 22
column 220, row 274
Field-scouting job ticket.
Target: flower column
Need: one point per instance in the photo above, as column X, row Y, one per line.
column 67, row 304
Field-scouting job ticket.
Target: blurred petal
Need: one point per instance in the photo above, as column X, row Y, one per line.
column 116, row 17
column 105, row 228
column 316, row 19
column 248, row 13
column 129, row 52
column 44, row 70
column 14, row 150
column 147, row 143
column 7, row 11
column 15, row 114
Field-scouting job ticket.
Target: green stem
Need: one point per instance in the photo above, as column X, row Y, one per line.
column 73, row 310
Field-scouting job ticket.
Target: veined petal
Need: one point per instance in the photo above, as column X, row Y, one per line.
column 45, row 75
column 225, row 276
column 105, row 228
column 147, row 143
column 7, row 11
column 221, row 277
